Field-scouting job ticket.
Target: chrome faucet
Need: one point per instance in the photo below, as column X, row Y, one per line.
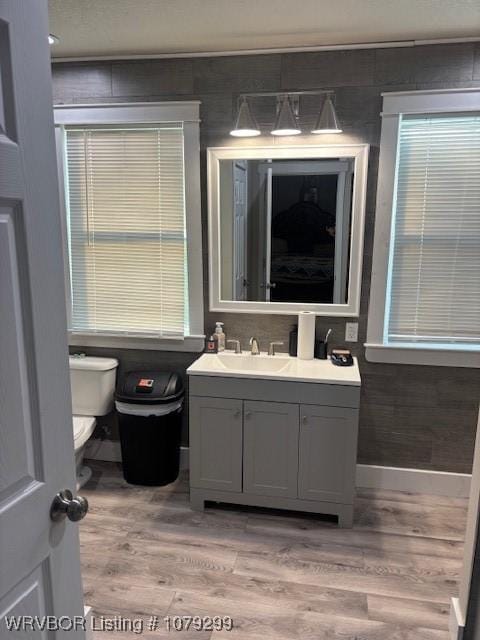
column 238, row 348
column 255, row 348
column 271, row 348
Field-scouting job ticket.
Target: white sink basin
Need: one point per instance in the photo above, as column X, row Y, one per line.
column 247, row 362
column 279, row 367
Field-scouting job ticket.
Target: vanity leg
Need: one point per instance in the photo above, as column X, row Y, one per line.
column 197, row 503
column 345, row 517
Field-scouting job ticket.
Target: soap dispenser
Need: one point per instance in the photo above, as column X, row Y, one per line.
column 220, row 336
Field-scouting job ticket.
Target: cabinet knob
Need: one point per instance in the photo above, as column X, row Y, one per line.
column 248, row 414
column 237, row 413
column 304, row 419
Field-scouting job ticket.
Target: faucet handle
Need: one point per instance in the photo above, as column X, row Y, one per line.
column 238, row 348
column 271, row 348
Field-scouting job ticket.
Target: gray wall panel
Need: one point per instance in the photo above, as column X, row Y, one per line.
column 411, row 416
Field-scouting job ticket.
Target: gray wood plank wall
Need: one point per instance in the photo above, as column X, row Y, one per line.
column 411, row 416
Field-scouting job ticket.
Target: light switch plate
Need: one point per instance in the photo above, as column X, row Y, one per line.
column 351, row 331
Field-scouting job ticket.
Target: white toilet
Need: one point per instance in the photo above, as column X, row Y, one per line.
column 93, row 383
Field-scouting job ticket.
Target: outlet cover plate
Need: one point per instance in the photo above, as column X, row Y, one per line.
column 351, row 332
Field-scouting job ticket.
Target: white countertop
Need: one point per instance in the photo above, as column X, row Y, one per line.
column 288, row 368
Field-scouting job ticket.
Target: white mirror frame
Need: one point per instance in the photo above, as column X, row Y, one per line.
column 359, row 152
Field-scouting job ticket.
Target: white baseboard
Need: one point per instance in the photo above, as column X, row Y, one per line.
column 87, row 614
column 106, row 450
column 456, row 623
column 440, row 483
column 184, row 458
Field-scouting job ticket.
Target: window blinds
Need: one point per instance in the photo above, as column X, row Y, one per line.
column 126, row 224
column 433, row 294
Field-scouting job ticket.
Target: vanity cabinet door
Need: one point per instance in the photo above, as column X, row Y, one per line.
column 270, row 449
column 216, row 443
column 328, row 452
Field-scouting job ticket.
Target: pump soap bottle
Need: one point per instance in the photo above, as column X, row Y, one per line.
column 219, row 336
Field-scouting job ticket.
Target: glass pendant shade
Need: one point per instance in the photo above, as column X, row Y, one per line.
column 327, row 120
column 245, row 125
column 286, row 123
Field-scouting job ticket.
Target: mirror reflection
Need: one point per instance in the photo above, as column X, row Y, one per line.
column 285, row 229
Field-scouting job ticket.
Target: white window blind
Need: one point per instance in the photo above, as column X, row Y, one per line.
column 126, row 227
column 433, row 294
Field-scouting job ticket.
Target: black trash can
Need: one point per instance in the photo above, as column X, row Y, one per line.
column 149, row 407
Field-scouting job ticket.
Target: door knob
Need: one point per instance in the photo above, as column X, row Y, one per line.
column 64, row 505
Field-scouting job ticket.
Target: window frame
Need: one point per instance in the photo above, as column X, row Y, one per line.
column 186, row 112
column 395, row 105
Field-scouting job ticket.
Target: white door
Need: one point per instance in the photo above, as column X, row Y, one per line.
column 342, row 232
column 267, row 285
column 39, row 558
column 343, row 170
column 240, row 237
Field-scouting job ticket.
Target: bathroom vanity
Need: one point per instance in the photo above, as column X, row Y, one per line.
column 274, row 431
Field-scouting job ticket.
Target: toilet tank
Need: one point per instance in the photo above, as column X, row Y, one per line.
column 93, row 383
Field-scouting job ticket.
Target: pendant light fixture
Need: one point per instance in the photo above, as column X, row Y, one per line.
column 327, row 121
column 245, row 124
column 286, row 122
column 287, row 113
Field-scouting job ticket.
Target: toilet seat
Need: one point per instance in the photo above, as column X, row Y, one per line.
column 83, row 427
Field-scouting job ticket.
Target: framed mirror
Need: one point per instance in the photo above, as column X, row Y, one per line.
column 286, row 228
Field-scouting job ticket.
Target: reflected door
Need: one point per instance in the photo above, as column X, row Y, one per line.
column 240, row 230
column 308, row 231
column 267, row 284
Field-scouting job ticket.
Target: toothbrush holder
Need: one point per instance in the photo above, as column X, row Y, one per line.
column 321, row 349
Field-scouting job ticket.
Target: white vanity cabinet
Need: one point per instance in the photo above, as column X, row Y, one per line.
column 274, row 443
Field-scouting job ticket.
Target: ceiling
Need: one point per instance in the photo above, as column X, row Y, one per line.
column 96, row 28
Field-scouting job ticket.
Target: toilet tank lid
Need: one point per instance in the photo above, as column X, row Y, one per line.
column 92, row 363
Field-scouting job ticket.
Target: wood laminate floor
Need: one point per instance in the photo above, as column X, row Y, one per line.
column 276, row 574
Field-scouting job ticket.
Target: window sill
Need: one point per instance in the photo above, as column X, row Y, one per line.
column 192, row 344
column 424, row 356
